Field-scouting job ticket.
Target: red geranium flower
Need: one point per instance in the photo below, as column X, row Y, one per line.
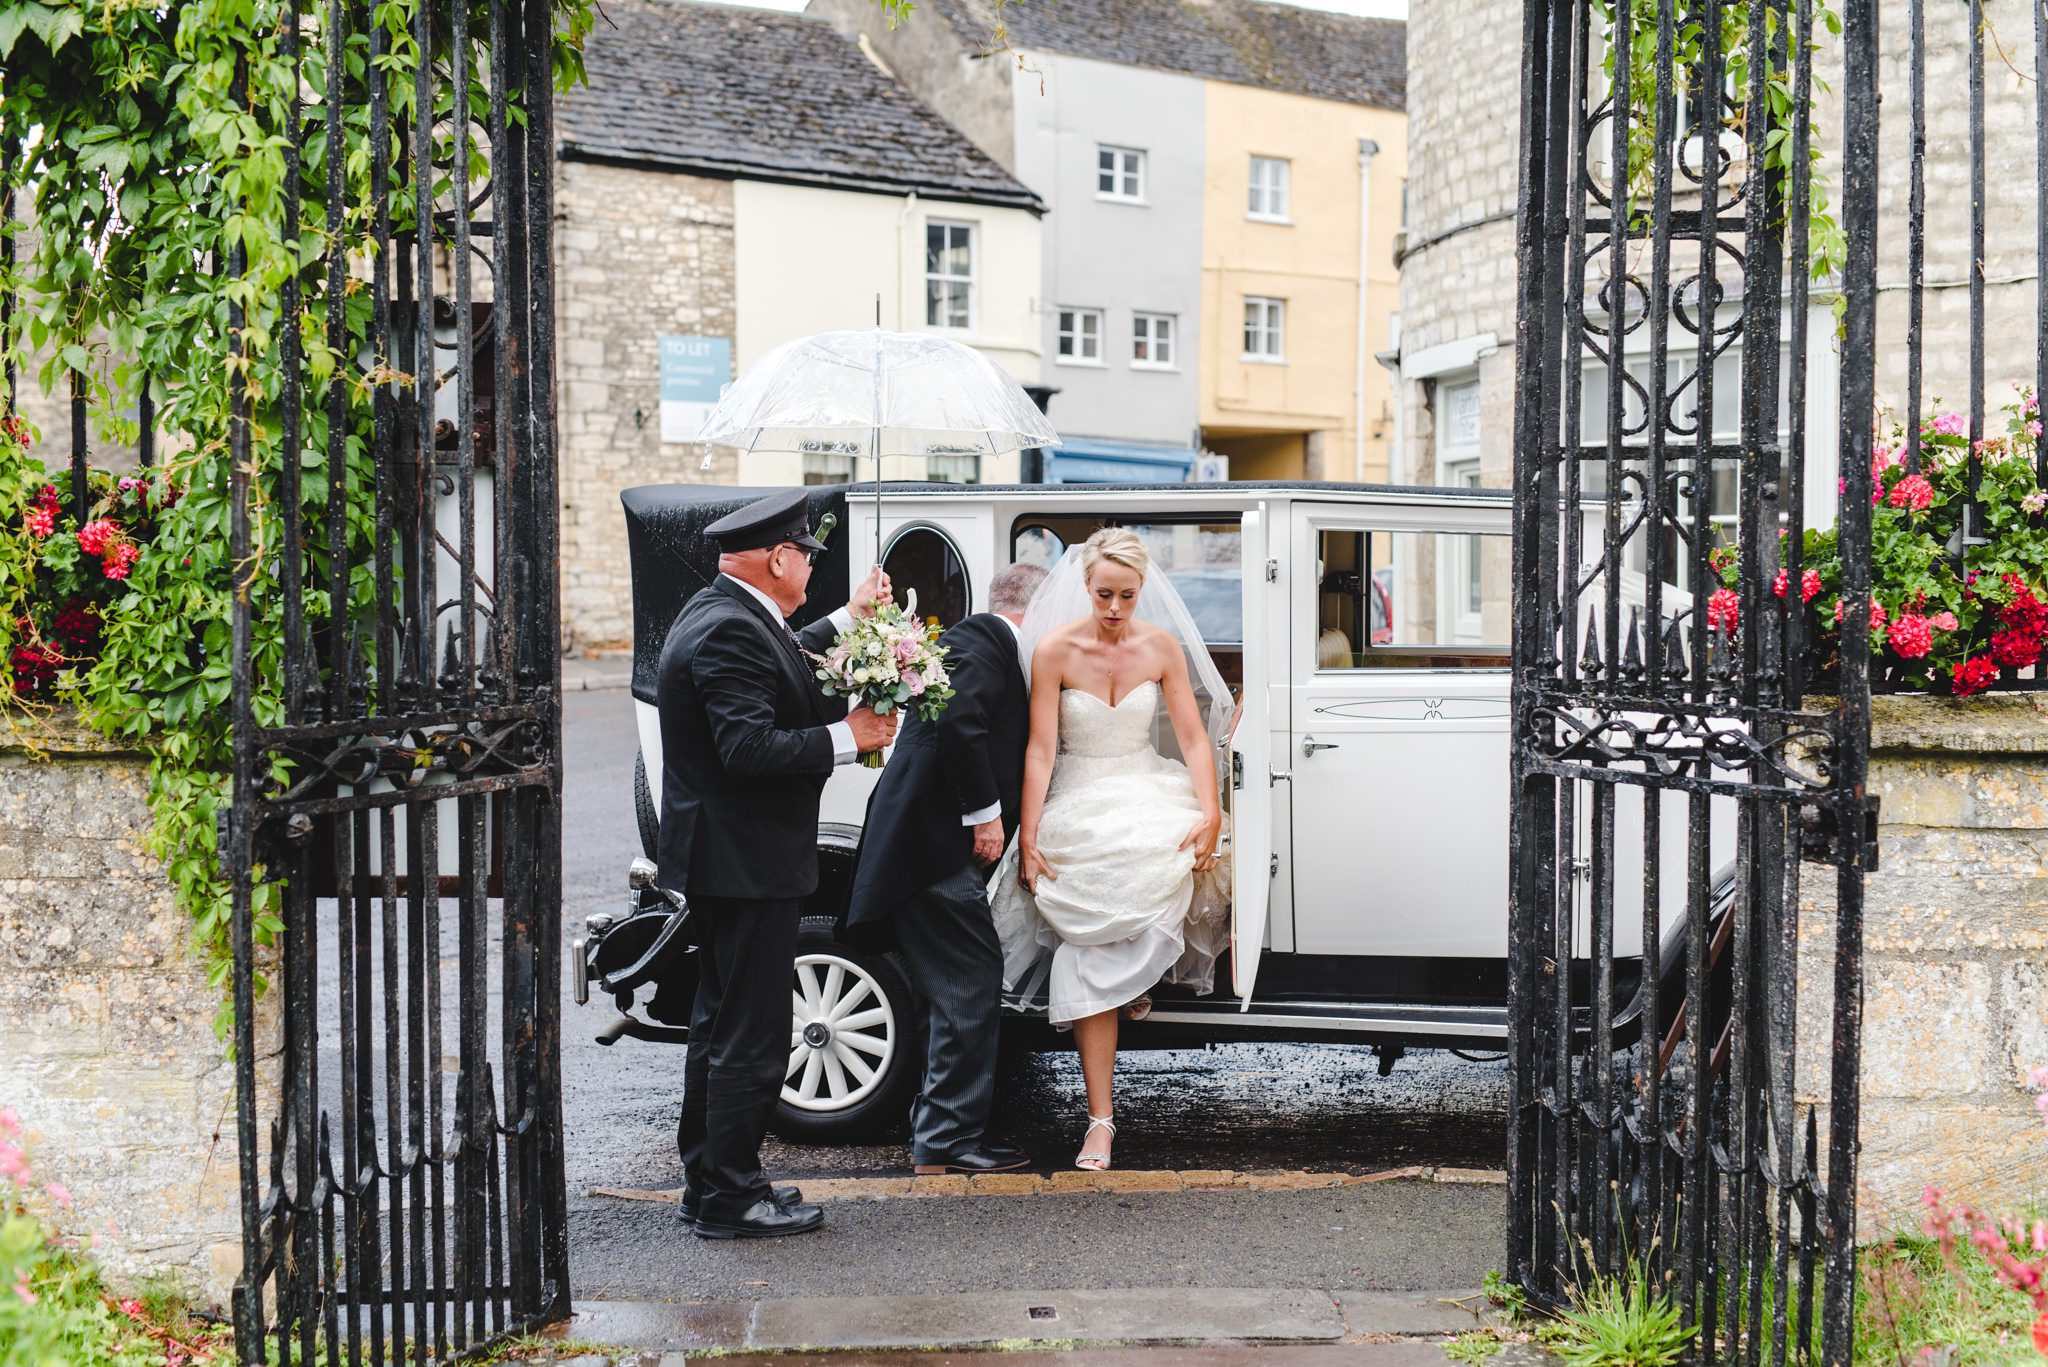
column 1912, row 635
column 1724, row 609
column 120, row 558
column 1912, row 492
column 94, row 536
column 1973, row 676
column 2015, row 649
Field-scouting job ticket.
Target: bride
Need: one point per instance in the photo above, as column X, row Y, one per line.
column 1115, row 865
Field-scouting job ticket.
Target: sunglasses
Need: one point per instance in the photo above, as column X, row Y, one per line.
column 810, row 557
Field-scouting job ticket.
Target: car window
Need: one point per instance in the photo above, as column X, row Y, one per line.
column 1203, row 559
column 925, row 560
column 1411, row 600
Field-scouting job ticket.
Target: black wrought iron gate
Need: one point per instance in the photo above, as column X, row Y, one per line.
column 1674, row 770
column 398, row 1084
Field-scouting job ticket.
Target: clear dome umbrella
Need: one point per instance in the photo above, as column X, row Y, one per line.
column 876, row 394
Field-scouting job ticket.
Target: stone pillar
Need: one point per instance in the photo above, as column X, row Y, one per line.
column 1955, row 949
column 126, row 1095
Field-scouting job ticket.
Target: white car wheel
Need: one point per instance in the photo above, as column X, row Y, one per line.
column 842, row 1036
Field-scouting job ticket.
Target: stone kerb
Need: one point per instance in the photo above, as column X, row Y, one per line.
column 1955, row 945
column 124, row 1092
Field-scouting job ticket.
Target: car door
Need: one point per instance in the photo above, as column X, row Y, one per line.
column 1251, row 787
column 1398, row 736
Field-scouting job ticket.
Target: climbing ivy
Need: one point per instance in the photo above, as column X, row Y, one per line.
column 151, row 146
column 1825, row 239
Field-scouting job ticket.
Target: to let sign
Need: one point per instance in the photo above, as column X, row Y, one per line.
column 694, row 371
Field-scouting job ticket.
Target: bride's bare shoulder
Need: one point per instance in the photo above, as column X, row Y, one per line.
column 1054, row 648
column 1156, row 639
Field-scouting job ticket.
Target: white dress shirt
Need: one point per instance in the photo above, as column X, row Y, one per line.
column 990, row 813
column 845, row 750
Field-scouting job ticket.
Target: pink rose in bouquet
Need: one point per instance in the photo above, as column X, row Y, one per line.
column 891, row 661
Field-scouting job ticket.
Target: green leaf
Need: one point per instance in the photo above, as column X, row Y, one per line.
column 12, row 21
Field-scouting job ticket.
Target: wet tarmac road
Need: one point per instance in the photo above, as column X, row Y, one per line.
column 1246, row 1107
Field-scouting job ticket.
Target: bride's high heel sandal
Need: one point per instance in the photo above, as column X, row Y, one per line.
column 1095, row 1160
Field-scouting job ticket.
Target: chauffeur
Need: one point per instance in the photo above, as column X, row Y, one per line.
column 748, row 740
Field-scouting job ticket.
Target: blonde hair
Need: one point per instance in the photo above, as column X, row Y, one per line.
column 1118, row 544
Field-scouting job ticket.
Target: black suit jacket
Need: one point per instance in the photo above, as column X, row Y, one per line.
column 744, row 750
column 970, row 758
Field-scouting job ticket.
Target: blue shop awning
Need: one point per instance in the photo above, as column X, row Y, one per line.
column 1093, row 460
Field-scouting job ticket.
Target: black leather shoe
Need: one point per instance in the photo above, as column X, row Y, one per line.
column 764, row 1220
column 784, row 1196
column 981, row 1158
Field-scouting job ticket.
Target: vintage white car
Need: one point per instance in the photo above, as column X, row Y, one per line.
column 1365, row 629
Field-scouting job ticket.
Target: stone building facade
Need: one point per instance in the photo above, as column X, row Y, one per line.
column 638, row 253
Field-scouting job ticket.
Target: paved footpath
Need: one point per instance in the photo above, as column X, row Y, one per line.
column 1366, row 1353
column 1284, row 1261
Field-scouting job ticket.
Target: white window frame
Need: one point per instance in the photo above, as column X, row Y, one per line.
column 1270, row 198
column 1126, row 173
column 932, row 277
column 1271, row 327
column 1457, row 467
column 1159, row 331
column 1067, row 328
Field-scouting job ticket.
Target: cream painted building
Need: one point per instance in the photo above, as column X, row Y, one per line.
column 730, row 180
column 1300, row 209
column 810, row 259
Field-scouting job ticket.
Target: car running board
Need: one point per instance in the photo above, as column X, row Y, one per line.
column 1456, row 1022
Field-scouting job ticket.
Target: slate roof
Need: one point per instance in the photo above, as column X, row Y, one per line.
column 756, row 94
column 1242, row 42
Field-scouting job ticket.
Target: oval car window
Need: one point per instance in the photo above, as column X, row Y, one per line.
column 923, row 560
column 1038, row 544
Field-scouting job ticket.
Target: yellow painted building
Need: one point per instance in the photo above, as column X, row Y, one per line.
column 1302, row 196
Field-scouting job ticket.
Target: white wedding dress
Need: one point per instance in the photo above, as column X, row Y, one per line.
column 1127, row 907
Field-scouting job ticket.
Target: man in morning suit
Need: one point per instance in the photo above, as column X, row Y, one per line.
column 944, row 810
column 748, row 740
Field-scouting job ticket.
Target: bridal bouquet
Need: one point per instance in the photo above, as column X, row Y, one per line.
column 891, row 661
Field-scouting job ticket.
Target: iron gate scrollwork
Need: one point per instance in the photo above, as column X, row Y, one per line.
column 401, row 1163
column 1671, row 769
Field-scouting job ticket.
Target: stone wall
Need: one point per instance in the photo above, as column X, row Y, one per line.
column 1955, row 944
column 640, row 253
column 126, row 1095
